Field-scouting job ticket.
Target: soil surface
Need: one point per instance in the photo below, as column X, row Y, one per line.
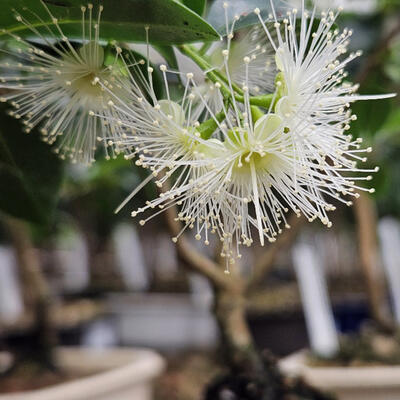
column 29, row 376
column 186, row 377
column 369, row 348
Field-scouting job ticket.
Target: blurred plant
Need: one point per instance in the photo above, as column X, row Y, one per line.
column 90, row 197
column 55, row 88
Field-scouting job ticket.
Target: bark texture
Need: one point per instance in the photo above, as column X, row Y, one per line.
column 37, row 294
column 370, row 262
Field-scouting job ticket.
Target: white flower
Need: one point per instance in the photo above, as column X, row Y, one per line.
column 162, row 135
column 314, row 98
column 243, row 43
column 252, row 182
column 226, row 57
column 298, row 156
column 311, row 62
column 258, row 164
column 56, row 89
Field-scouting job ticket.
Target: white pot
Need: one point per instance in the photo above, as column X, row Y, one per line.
column 347, row 383
column 118, row 374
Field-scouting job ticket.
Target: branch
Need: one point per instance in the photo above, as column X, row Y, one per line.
column 194, row 258
column 366, row 221
column 27, row 258
column 267, row 259
column 365, row 214
column 35, row 285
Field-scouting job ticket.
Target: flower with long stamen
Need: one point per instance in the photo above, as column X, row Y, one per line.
column 51, row 83
column 165, row 137
column 302, row 165
column 247, row 176
column 311, row 85
column 228, row 54
column 263, row 172
column 311, row 64
column 160, row 133
column 247, row 43
column 313, row 99
column 258, row 165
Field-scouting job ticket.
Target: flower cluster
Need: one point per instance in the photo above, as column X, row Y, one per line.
column 265, row 134
column 51, row 82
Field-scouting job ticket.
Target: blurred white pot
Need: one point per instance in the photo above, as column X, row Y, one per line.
column 347, row 383
column 116, row 374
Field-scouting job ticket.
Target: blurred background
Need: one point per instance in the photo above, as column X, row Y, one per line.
column 96, row 279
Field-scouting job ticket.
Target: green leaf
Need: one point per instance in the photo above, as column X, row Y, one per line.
column 30, row 174
column 169, row 55
column 371, row 116
column 123, row 20
column 157, row 80
column 197, row 6
column 243, row 9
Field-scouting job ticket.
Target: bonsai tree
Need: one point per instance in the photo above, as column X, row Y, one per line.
column 246, row 152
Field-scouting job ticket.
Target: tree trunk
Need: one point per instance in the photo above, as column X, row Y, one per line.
column 253, row 374
column 37, row 293
column 366, row 219
column 237, row 343
column 104, row 274
column 250, row 374
column 100, row 262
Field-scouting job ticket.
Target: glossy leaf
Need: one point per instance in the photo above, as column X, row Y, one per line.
column 169, row 55
column 123, row 20
column 30, row 174
column 197, row 6
column 158, row 83
column 371, row 116
column 243, row 9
